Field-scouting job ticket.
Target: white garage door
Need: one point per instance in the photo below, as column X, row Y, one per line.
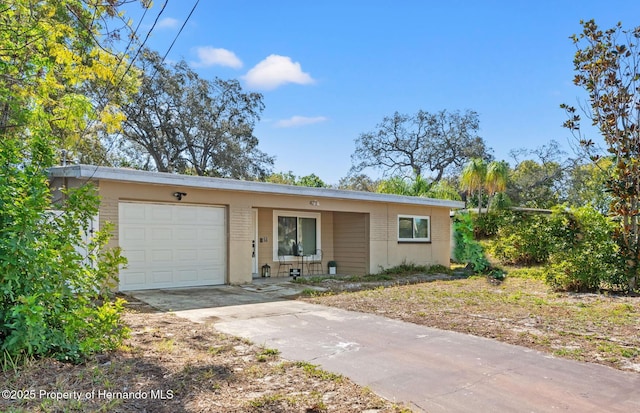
column 171, row 245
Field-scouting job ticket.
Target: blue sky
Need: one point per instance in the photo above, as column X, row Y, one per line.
column 331, row 70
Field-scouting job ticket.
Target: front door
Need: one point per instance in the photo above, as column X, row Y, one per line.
column 254, row 244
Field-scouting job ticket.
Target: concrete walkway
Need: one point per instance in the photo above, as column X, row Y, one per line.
column 430, row 370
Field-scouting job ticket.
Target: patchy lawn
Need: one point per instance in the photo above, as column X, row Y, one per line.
column 173, row 365
column 521, row 310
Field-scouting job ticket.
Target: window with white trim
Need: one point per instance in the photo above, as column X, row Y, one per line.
column 295, row 233
column 414, row 228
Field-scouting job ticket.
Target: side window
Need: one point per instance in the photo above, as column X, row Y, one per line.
column 414, row 228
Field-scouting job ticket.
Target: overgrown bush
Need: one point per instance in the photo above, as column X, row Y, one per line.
column 576, row 246
column 53, row 300
column 487, row 225
column 522, row 239
column 584, row 253
column 467, row 249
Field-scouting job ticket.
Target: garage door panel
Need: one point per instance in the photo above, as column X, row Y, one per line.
column 136, row 257
column 183, row 216
column 187, row 255
column 211, row 234
column 213, row 215
column 212, row 255
column 133, row 234
column 162, row 276
column 162, row 255
column 187, row 234
column 159, row 213
column 187, row 276
column 172, row 245
column 161, row 234
column 132, row 214
column 135, row 278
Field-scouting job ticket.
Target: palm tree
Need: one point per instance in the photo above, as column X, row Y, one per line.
column 496, row 178
column 473, row 178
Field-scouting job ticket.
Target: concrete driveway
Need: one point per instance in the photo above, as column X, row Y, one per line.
column 430, row 370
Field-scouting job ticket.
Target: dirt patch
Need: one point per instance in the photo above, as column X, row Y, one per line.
column 595, row 328
column 170, row 364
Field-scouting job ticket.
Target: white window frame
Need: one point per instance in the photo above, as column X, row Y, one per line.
column 297, row 214
column 414, row 239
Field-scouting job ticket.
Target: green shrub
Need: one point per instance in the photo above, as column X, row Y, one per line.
column 410, row 268
column 584, row 256
column 486, row 225
column 53, row 300
column 466, row 248
column 522, row 239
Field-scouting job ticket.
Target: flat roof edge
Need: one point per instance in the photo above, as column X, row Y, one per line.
column 91, row 172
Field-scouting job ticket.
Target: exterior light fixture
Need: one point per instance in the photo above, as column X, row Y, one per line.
column 179, row 195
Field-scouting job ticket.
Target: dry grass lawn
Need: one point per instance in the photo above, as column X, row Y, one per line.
column 521, row 310
column 173, row 365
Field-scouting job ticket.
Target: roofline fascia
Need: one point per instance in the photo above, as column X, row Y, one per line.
column 91, row 172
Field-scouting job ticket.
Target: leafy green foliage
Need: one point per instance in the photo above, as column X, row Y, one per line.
column 588, row 182
column 486, row 225
column 584, row 254
column 289, row 178
column 443, row 190
column 576, row 246
column 418, row 186
column 522, row 238
column 478, row 175
column 608, row 69
column 52, row 299
column 500, row 202
column 497, row 176
column 312, row 180
column 473, row 178
column 467, row 249
column 532, row 184
column 411, row 268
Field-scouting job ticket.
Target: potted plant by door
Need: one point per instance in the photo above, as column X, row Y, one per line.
column 332, row 267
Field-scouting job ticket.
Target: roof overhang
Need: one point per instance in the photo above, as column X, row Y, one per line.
column 98, row 173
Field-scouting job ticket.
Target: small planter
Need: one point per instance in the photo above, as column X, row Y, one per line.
column 332, row 267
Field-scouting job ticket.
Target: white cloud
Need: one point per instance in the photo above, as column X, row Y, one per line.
column 276, row 71
column 167, row 23
column 210, row 56
column 299, row 121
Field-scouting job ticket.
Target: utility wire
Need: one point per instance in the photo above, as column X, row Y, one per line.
column 101, row 97
column 173, row 42
column 164, row 6
column 180, row 31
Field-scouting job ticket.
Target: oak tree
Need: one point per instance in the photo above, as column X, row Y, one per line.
column 183, row 123
column 358, row 182
column 423, row 144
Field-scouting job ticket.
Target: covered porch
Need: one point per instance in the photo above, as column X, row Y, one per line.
column 306, row 241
